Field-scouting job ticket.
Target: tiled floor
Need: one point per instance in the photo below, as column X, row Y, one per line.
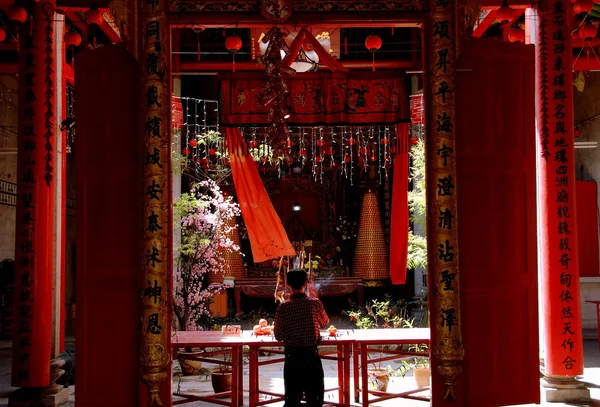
column 271, row 378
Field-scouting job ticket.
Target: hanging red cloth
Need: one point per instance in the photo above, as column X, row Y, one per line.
column 265, row 231
column 399, row 226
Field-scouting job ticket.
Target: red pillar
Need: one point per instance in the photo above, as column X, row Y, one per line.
column 556, row 194
column 35, row 203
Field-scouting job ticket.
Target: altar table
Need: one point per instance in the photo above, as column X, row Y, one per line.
column 229, row 345
column 342, row 342
column 362, row 346
column 326, row 286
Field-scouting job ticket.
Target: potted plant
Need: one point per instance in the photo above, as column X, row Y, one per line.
column 202, row 220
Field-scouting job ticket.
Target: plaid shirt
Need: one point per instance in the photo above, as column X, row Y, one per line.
column 297, row 322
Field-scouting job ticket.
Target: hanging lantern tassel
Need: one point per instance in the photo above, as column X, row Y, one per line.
column 373, row 43
column 94, row 17
column 233, row 43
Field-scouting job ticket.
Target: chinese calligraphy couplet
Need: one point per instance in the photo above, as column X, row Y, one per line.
column 556, row 193
column 442, row 196
column 156, row 255
column 35, row 245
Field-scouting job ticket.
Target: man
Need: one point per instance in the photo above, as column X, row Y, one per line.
column 297, row 325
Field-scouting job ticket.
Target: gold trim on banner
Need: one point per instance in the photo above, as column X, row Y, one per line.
column 156, row 211
column 440, row 36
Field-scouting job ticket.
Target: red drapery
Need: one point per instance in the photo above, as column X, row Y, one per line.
column 399, row 227
column 265, row 231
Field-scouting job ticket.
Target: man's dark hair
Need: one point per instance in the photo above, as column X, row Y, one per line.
column 296, row 278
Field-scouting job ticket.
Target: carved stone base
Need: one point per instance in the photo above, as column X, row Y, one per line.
column 52, row 396
column 565, row 390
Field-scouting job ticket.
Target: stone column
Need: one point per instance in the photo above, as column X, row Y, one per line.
column 157, row 255
column 559, row 263
column 38, row 279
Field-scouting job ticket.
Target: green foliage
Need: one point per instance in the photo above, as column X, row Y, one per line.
column 388, row 313
column 417, row 203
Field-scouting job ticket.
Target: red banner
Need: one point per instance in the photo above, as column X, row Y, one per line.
column 318, row 98
column 556, row 193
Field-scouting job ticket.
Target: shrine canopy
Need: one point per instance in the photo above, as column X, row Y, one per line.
column 320, row 98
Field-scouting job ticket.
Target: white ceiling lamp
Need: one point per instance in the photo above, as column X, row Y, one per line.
column 307, row 59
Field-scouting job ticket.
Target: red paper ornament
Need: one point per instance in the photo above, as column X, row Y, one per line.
column 516, row 34
column 289, row 143
column 2, row 34
column 72, row 39
column 351, row 141
column 17, row 13
column 373, row 42
column 361, row 162
column 577, row 133
column 385, row 141
column 318, row 159
column 94, row 16
column 588, row 31
column 186, row 151
column 414, row 140
column 252, row 143
column 319, row 143
column 373, row 158
column 211, row 151
column 302, row 152
column 233, row 43
column 583, row 6
column 347, row 158
column 205, row 161
column 193, row 143
column 363, row 150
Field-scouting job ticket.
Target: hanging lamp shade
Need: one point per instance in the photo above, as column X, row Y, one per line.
column 588, row 31
column 583, row 6
column 373, row 42
column 233, row 43
column 504, row 13
column 2, row 34
column 516, row 34
column 233, row 261
column 371, row 254
column 94, row 16
column 72, row 39
column 17, row 13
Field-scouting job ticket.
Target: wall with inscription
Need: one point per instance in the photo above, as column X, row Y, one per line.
column 8, row 164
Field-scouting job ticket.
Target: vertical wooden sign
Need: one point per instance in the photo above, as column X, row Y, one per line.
column 157, row 208
column 442, row 233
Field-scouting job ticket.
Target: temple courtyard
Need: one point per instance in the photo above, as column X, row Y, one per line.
column 271, row 379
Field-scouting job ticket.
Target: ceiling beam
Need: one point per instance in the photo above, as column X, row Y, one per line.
column 483, row 25
column 206, row 66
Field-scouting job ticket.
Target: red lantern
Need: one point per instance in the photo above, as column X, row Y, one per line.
column 516, row 34
column 302, row 152
column 72, row 39
column 385, row 141
column 414, row 140
column 211, row 151
column 588, row 31
column 351, row 141
column 318, row 159
column 252, row 143
column 363, row 150
column 233, row 43
column 186, row 151
column 94, row 16
column 17, row 13
column 373, row 42
column 583, row 6
column 347, row 159
column 193, row 143
column 2, row 34
column 577, row 133
column 289, row 143
column 504, row 13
